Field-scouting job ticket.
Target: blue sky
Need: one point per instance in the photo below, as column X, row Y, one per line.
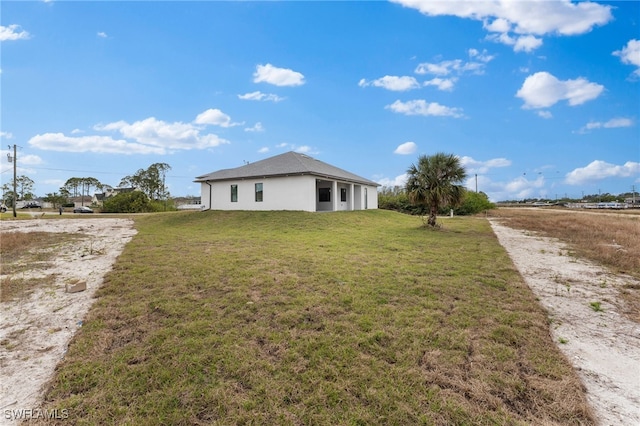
column 537, row 98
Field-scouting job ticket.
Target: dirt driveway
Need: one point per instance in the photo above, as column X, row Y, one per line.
column 35, row 331
column 586, row 320
column 603, row 345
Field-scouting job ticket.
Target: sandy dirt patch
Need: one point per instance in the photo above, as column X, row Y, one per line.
column 603, row 346
column 36, row 330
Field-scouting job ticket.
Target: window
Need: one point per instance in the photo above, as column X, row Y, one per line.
column 258, row 192
column 324, row 194
column 343, row 194
column 234, row 193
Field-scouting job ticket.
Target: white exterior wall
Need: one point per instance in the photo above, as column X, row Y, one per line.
column 367, row 198
column 279, row 193
column 288, row 193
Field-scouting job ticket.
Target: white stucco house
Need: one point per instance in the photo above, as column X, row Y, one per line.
column 289, row 181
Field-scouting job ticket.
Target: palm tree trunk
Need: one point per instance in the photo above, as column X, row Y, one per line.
column 432, row 216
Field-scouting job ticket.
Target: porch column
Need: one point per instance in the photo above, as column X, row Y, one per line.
column 351, row 206
column 334, row 198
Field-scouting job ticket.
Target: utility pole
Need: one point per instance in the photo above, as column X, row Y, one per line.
column 476, row 183
column 14, row 159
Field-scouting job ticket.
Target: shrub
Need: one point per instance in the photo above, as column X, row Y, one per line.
column 129, row 202
column 396, row 199
column 474, row 203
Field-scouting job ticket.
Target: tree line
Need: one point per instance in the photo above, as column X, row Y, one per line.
column 149, row 184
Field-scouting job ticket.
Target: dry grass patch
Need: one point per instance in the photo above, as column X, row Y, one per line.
column 21, row 251
column 612, row 240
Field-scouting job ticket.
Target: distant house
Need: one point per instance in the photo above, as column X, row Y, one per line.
column 632, row 202
column 98, row 198
column 289, row 181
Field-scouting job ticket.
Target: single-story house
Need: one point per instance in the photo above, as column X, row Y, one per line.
column 289, row 181
column 98, row 198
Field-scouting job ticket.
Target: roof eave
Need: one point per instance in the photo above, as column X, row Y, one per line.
column 276, row 175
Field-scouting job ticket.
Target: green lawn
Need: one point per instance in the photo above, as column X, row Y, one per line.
column 306, row 318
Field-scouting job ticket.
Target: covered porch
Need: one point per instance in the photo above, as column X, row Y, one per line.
column 334, row 195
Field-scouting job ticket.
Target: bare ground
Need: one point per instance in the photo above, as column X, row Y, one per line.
column 35, row 331
column 587, row 320
column 603, row 345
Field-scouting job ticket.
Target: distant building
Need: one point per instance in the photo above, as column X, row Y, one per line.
column 98, row 198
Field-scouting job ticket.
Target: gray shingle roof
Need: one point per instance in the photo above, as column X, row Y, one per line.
column 287, row 164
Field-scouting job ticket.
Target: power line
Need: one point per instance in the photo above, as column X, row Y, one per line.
column 101, row 173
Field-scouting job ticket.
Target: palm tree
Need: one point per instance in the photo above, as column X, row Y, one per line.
column 435, row 181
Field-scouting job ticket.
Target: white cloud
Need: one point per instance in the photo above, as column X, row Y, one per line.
column 165, row 136
column 421, row 107
column 476, row 166
column 457, row 66
column 400, row 181
column 97, row 144
column 542, row 90
column 392, row 82
column 481, row 56
column 445, row 84
column 611, row 124
column 440, row 68
column 498, row 25
column 30, row 160
column 215, row 117
column 263, row 150
column 277, row 76
column 13, row 32
column 618, row 122
column 303, row 149
column 598, row 170
column 406, row 148
column 23, row 160
column 259, row 96
column 256, row 128
column 523, row 19
column 630, row 54
column 545, row 114
column 102, row 34
column 527, row 43
column 6, row 135
column 148, row 136
column 521, row 187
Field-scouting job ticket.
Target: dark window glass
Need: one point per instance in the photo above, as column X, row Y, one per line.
column 343, row 194
column 234, row 193
column 324, row 194
column 258, row 192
